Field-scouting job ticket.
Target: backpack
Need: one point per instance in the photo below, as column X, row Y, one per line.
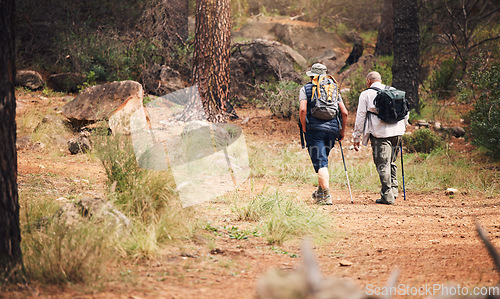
column 391, row 104
column 324, row 99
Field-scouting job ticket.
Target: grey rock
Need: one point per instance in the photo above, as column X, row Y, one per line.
column 80, row 144
column 29, row 79
column 97, row 209
column 458, row 132
column 161, row 80
column 66, row 82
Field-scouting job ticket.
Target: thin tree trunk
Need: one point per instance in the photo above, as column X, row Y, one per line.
column 10, row 235
column 211, row 56
column 405, row 69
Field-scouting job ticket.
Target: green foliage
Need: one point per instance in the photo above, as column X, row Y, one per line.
column 282, row 98
column 485, row 117
column 90, row 80
column 444, row 80
column 444, row 168
column 60, row 254
column 147, row 197
column 422, row 141
column 282, row 218
column 357, row 80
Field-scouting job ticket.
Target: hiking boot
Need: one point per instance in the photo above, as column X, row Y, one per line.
column 384, row 202
column 324, row 200
column 317, row 195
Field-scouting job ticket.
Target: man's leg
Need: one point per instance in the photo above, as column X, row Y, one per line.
column 395, row 141
column 324, row 178
column 382, row 157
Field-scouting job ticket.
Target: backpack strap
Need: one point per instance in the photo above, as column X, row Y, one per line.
column 376, row 89
column 316, row 81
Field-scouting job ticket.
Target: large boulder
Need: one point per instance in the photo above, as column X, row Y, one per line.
column 309, row 39
column 258, row 62
column 29, row 79
column 113, row 102
column 66, row 82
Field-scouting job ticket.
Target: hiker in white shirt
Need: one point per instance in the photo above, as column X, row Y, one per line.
column 384, row 138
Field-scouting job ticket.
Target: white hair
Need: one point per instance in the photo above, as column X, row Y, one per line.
column 374, row 76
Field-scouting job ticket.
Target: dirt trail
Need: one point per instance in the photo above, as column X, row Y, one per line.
column 430, row 238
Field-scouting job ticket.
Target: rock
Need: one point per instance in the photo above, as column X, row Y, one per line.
column 114, row 101
column 96, row 209
column 451, row 191
column 437, row 126
column 423, row 124
column 458, row 132
column 161, row 80
column 29, row 79
column 259, row 61
column 327, row 55
column 345, row 263
column 80, row 144
column 66, row 82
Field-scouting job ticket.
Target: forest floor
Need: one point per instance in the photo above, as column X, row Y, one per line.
column 430, row 237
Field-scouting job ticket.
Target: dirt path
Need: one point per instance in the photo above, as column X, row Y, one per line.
column 430, row 238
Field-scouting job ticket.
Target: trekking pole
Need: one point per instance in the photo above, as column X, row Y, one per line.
column 302, row 143
column 345, row 168
column 403, row 168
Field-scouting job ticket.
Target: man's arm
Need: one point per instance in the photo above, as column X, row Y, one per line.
column 359, row 125
column 302, row 114
column 344, row 113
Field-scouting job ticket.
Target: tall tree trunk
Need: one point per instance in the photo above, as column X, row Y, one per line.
column 10, row 235
column 211, row 56
column 386, row 30
column 405, row 69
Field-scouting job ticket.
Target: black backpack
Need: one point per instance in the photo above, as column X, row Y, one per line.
column 391, row 104
column 324, row 98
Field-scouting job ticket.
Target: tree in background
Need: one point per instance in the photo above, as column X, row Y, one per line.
column 465, row 25
column 405, row 69
column 10, row 235
column 385, row 31
column 485, row 117
column 211, row 57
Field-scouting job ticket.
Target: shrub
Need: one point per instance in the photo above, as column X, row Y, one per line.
column 147, row 197
column 422, row 141
column 282, row 98
column 444, row 80
column 485, row 117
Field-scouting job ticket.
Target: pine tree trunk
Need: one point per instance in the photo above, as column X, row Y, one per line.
column 10, row 236
column 405, row 69
column 211, row 56
column 386, row 30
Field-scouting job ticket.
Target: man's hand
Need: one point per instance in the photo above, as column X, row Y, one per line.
column 356, row 146
column 341, row 135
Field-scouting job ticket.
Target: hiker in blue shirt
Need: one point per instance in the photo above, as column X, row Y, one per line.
column 321, row 133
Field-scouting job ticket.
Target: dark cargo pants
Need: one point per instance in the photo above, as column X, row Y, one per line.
column 385, row 153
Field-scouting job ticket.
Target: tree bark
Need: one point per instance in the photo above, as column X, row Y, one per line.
column 386, row 30
column 10, row 235
column 405, row 69
column 211, row 56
